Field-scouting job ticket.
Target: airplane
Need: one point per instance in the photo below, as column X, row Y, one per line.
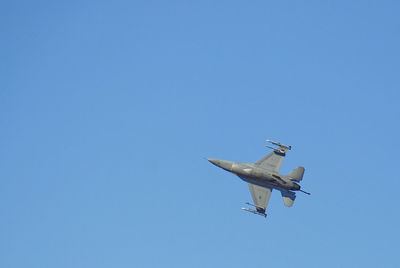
column 263, row 176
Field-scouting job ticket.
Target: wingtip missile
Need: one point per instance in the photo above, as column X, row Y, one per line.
column 255, row 212
column 288, row 147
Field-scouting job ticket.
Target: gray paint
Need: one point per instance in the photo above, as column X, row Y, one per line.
column 263, row 176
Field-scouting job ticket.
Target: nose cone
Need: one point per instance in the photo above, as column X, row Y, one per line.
column 227, row 165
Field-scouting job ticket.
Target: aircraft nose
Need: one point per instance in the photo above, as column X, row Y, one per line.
column 227, row 165
column 213, row 161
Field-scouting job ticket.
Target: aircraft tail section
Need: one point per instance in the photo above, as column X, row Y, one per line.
column 288, row 197
column 296, row 174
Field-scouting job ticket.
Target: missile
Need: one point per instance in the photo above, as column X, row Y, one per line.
column 255, row 212
column 250, row 204
column 280, row 145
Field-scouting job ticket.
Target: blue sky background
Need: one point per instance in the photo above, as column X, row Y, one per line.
column 107, row 109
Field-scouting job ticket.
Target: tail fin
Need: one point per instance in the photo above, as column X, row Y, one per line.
column 296, row 174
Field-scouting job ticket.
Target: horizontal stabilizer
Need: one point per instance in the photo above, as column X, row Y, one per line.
column 296, row 174
column 288, row 197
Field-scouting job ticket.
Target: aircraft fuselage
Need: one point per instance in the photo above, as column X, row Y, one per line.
column 254, row 174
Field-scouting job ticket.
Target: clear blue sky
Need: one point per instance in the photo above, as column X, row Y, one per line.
column 107, row 109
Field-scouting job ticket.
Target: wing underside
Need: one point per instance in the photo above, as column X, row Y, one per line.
column 272, row 161
column 260, row 196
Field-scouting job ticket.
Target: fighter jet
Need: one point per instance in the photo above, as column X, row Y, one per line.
column 263, row 176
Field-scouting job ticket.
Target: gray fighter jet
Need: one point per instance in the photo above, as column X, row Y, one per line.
column 263, row 176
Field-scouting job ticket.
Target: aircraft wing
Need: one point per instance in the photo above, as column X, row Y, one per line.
column 272, row 161
column 260, row 196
